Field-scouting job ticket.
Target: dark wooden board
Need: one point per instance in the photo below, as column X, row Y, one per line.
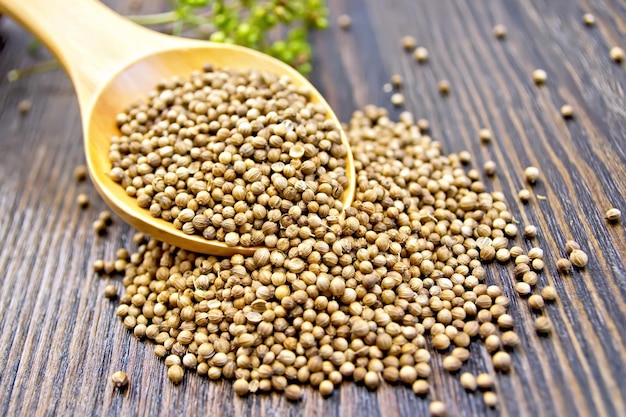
column 60, row 340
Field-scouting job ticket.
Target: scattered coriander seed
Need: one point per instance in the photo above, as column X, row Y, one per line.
column 24, row 106
column 465, row 157
column 397, row 80
column 617, row 54
column 468, row 381
column 98, row 265
column 524, row 195
column 80, row 173
column 408, row 43
column 538, row 264
column 499, row 31
column 563, row 265
column 567, row 111
column 119, row 379
column 82, row 200
column 530, row 232
column 540, row 76
column 571, row 245
column 549, row 293
column 444, row 87
column 420, row 54
column 613, row 215
column 344, row 21
column 110, row 291
column 490, row 168
column 490, row 398
column 420, row 387
column 589, row 19
column 502, row 361
column 397, row 99
column 510, row 339
column 437, row 409
column 535, row 253
column 175, row 373
column 484, row 381
column 423, row 125
column 535, row 302
column 485, row 135
column 531, row 174
column 105, row 216
column 578, row 258
column 99, row 227
column 523, row 288
column 387, row 88
column 452, row 363
column 543, row 325
column 293, row 392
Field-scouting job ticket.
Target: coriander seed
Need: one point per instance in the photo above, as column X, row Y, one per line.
column 82, row 200
column 543, row 325
column 119, row 379
column 98, row 265
column 499, row 31
column 99, row 227
column 563, row 265
column 80, row 173
column 408, row 43
column 444, row 87
column 175, row 373
column 490, row 168
column 293, row 392
column 530, row 232
column 502, row 361
column 578, row 258
column 468, row 381
column 423, row 125
column 571, row 245
column 510, row 339
column 326, row 388
column 397, row 99
column 567, row 111
column 484, row 381
column 344, row 21
column 24, row 106
column 485, row 135
column 420, row 387
column 420, row 54
column 531, row 174
column 617, row 54
column 589, row 19
column 437, row 409
column 241, row 387
column 110, row 291
column 549, row 293
column 540, row 76
column 490, row 399
column 396, row 80
column 523, row 195
column 613, row 215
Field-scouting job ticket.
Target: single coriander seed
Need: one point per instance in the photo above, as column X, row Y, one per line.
column 437, row 409
column 613, row 215
column 499, row 31
column 589, row 19
column 617, row 54
column 549, row 293
column 535, row 302
column 540, row 76
column 99, row 227
column 24, row 106
column 423, row 125
column 578, row 258
column 420, row 387
column 110, row 291
column 80, row 173
column 530, row 232
column 175, row 373
column 490, row 398
column 98, row 265
column 490, row 168
column 485, row 135
column 408, row 43
column 326, row 388
column 344, row 21
column 524, row 195
column 240, row 387
column 567, row 111
column 396, row 80
column 563, row 265
column 82, row 200
column 571, row 245
column 502, row 361
column 484, row 381
column 444, row 87
column 468, row 381
column 531, row 174
column 420, row 54
column 119, row 379
column 293, row 392
column 397, row 99
column 543, row 325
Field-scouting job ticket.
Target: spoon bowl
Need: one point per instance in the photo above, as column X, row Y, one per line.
column 112, row 63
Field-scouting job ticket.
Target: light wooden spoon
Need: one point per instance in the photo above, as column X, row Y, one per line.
column 113, row 62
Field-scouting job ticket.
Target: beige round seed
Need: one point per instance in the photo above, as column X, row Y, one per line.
column 578, row 258
column 524, row 195
column 175, row 373
column 589, row 19
column 110, row 291
column 563, row 265
column 82, row 200
column 485, row 135
column 543, row 325
column 241, row 387
column 444, row 87
column 420, row 54
column 293, row 392
column 490, row 399
column 326, row 388
column 571, row 245
column 490, row 168
column 499, row 31
column 452, row 363
column 502, row 361
column 531, row 174
column 397, row 99
column 119, row 379
column 510, row 339
column 567, row 111
column 437, row 409
column 540, row 76
column 617, row 54
column 549, row 293
column 535, row 302
column 468, row 381
column 523, row 288
column 484, row 381
column 344, row 21
column 530, row 231
column 613, row 215
column 420, row 387
column 408, row 43
column 80, row 173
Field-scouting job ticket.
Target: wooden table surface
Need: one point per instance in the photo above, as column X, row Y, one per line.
column 60, row 340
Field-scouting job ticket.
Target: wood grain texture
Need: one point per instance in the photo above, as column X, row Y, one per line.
column 60, row 340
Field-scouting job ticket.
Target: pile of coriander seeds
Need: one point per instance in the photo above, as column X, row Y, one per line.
column 367, row 297
column 229, row 155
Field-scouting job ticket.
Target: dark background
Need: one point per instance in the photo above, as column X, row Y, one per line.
column 60, row 340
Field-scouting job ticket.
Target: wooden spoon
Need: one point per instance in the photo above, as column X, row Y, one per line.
column 113, row 62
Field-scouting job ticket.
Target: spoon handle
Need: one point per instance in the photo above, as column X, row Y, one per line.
column 91, row 41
